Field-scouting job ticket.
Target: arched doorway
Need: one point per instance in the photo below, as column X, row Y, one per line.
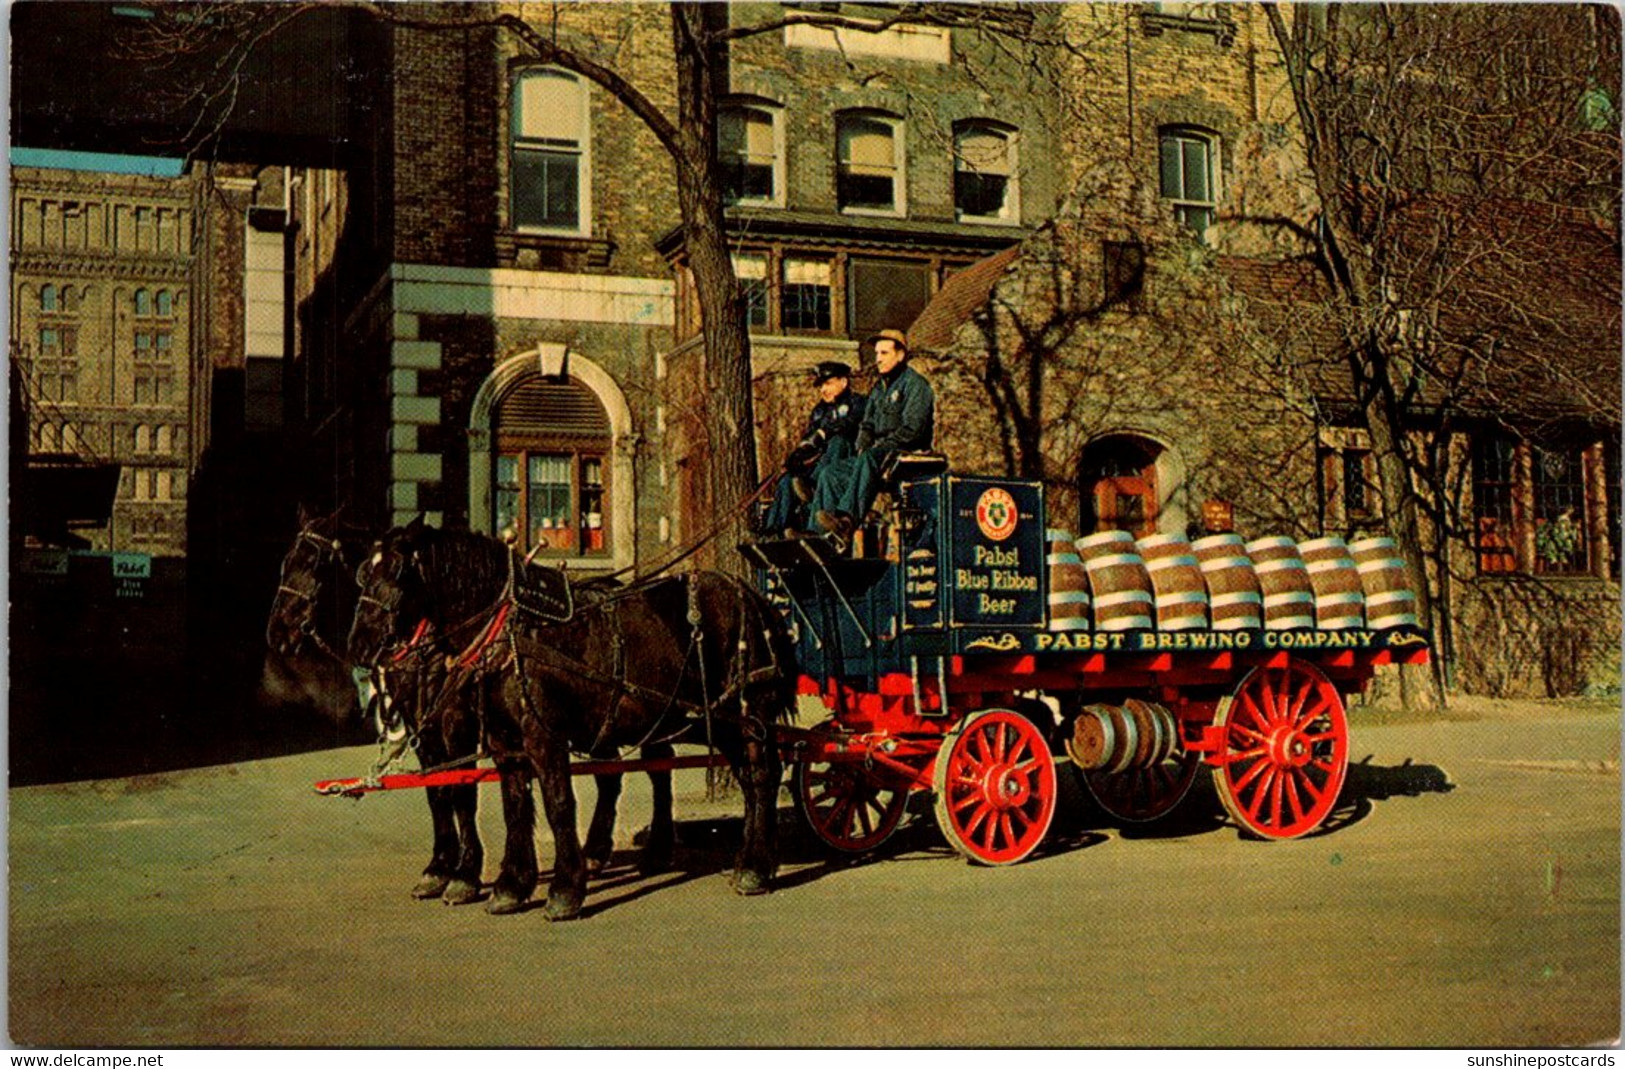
column 1118, row 485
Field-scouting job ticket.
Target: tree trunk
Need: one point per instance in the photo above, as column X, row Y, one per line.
column 702, row 76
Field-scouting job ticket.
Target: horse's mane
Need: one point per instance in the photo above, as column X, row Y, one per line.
column 465, row 572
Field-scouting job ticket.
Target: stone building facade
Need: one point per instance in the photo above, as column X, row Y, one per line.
column 103, row 294
column 496, row 327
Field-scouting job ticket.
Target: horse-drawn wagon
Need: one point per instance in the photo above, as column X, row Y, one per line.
column 964, row 647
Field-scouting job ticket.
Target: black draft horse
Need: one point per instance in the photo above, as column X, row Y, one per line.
column 316, row 589
column 317, row 583
column 699, row 656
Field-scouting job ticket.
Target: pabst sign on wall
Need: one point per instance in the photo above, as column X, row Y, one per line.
column 996, row 514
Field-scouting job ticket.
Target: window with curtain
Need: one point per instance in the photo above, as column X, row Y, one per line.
column 551, row 488
column 751, row 270
column 549, row 150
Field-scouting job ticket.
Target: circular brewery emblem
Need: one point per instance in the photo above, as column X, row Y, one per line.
column 996, row 514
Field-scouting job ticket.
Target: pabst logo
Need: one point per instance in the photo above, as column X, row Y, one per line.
column 996, row 514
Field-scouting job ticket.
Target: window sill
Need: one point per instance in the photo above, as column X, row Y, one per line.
column 986, row 220
column 876, row 213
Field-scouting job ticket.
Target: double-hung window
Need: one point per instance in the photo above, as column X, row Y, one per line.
column 748, row 149
column 548, row 165
column 985, row 173
column 804, row 301
column 1186, row 159
column 869, row 163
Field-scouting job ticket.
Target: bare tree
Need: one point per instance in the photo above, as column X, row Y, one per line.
column 1420, row 124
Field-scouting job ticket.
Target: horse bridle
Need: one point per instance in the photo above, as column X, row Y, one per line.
column 327, row 548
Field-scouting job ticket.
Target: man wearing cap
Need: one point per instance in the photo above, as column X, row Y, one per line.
column 831, row 432
column 900, row 418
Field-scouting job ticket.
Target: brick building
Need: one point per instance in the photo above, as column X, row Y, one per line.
column 138, row 301
column 495, row 324
column 1188, row 374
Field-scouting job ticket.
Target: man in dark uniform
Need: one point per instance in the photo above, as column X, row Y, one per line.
column 900, row 418
column 831, row 434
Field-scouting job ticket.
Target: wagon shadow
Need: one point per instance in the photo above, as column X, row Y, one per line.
column 1202, row 813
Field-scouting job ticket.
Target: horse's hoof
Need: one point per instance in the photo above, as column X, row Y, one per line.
column 503, row 902
column 461, row 893
column 751, row 883
column 431, row 885
column 562, row 908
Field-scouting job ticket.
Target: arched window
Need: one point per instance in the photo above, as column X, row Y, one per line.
column 143, row 438
column 749, row 150
column 143, row 303
column 47, row 298
column 1186, row 160
column 552, row 466
column 985, row 172
column 548, row 174
column 166, row 303
column 869, row 163
column 161, row 438
column 50, row 438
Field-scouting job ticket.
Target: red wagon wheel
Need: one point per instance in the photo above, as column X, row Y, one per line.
column 844, row 806
column 1286, row 751
column 995, row 785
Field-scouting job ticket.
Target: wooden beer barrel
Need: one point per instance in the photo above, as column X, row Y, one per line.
column 1339, row 598
column 1116, row 738
column 1289, row 600
column 1234, row 599
column 1119, row 588
column 1068, row 584
column 1176, row 583
column 1389, row 600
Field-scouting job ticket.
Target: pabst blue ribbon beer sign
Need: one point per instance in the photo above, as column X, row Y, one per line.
column 996, row 547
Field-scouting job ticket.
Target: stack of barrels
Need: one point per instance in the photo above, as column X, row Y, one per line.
column 1112, row 582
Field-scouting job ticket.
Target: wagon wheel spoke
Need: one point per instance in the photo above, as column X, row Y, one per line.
column 844, row 807
column 995, row 787
column 1279, row 777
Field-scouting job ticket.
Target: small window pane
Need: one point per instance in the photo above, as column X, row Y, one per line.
column 166, row 303
column 507, row 496
column 548, row 107
column 143, row 303
column 551, row 514
column 546, row 188
column 745, row 150
column 805, row 301
column 1196, row 172
column 47, row 299
column 1171, row 184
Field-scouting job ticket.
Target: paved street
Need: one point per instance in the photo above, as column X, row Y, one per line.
column 1468, row 894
